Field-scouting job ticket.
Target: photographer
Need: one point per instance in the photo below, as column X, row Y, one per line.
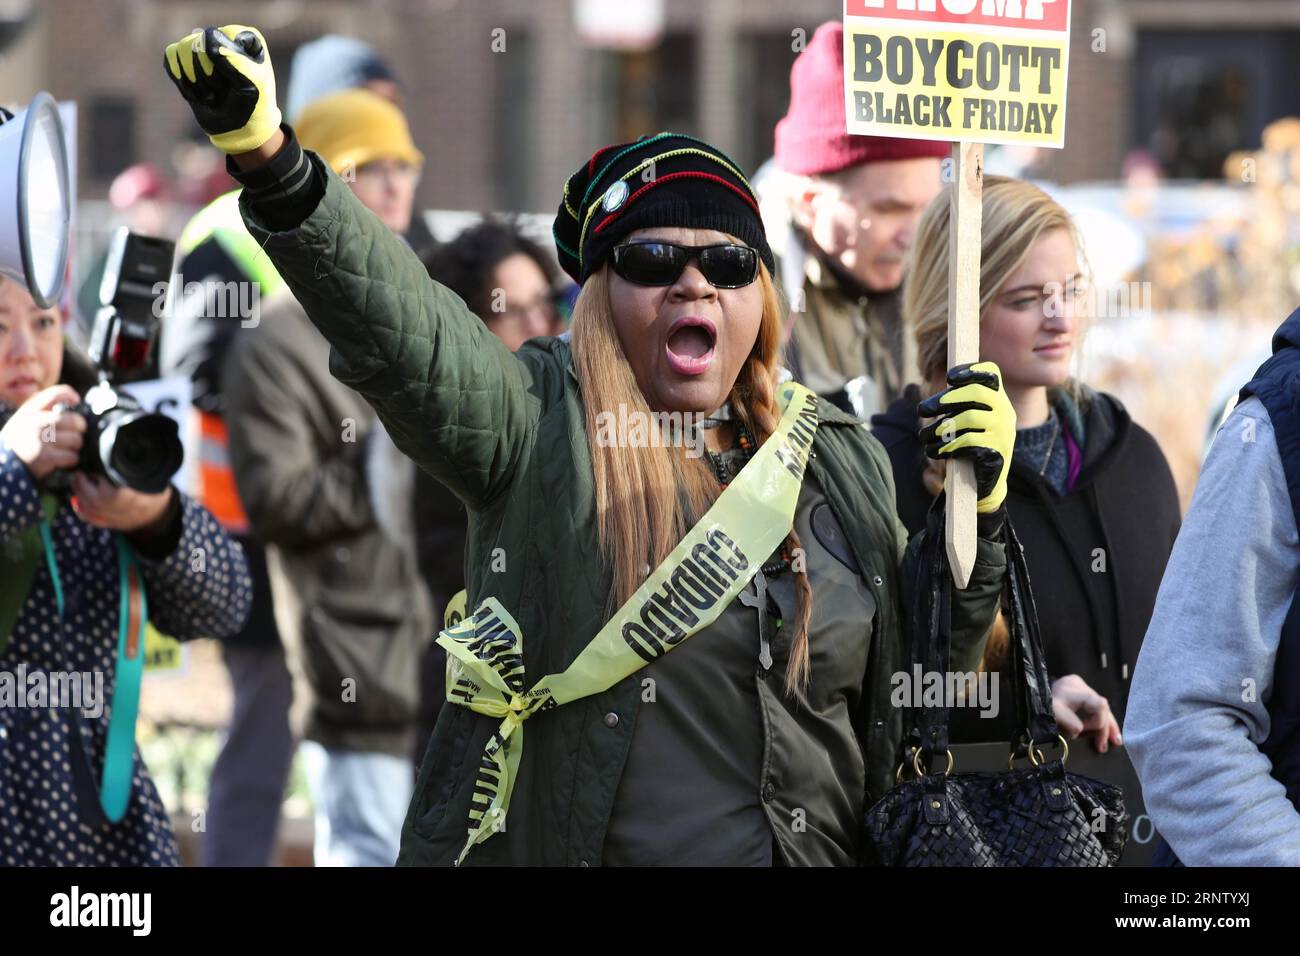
column 78, row 578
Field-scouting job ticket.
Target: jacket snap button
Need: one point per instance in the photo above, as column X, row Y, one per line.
column 4, row 732
column 877, row 580
column 342, row 554
column 611, row 719
column 769, row 792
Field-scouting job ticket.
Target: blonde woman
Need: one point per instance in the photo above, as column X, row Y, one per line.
column 1090, row 493
column 670, row 657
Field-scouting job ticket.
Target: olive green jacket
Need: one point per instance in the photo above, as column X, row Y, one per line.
column 506, row 432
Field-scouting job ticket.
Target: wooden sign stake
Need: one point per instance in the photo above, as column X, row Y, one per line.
column 964, row 219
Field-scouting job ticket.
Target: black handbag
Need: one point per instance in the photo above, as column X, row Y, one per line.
column 1039, row 815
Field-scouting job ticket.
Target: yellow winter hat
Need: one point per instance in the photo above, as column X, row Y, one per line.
column 355, row 127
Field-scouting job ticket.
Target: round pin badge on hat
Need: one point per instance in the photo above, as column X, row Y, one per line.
column 615, row 196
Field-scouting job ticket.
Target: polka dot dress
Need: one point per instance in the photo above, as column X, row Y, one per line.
column 202, row 589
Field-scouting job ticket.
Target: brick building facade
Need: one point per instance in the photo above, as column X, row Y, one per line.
column 502, row 128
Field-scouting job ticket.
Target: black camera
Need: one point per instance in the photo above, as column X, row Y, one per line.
column 125, row 443
column 130, row 446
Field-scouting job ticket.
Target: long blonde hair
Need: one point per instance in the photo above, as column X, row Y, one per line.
column 647, row 498
column 1015, row 214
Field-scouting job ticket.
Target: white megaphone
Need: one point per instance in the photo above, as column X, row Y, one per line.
column 35, row 205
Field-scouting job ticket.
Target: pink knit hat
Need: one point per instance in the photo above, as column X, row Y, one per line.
column 811, row 139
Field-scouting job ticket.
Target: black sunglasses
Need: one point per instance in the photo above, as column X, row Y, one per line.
column 725, row 266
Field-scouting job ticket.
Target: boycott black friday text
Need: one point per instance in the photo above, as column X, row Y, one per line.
column 965, row 65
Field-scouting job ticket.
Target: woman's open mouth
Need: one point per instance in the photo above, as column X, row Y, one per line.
column 690, row 345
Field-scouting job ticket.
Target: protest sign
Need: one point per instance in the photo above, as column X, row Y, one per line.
column 986, row 71
column 969, row 72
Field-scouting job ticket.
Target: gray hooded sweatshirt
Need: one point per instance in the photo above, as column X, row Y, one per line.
column 1196, row 711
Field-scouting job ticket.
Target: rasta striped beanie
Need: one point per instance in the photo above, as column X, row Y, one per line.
column 668, row 179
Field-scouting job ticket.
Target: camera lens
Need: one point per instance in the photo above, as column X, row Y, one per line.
column 141, row 450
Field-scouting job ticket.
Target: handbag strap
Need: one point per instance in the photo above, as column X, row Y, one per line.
column 1031, row 683
column 932, row 639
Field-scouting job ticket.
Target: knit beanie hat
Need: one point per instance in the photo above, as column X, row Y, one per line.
column 812, row 138
column 355, row 127
column 328, row 65
column 668, row 179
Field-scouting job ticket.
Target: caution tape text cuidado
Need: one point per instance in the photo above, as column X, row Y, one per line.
column 687, row 592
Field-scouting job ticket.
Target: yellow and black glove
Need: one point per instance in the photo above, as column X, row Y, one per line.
column 225, row 75
column 975, row 421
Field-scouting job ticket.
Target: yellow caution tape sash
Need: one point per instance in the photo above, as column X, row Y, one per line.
column 684, row 595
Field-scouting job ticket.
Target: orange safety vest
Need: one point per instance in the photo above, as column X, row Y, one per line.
column 217, row 490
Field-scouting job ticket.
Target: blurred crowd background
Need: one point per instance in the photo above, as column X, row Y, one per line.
column 1181, row 165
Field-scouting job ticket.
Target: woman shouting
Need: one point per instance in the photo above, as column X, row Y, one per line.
column 685, row 583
